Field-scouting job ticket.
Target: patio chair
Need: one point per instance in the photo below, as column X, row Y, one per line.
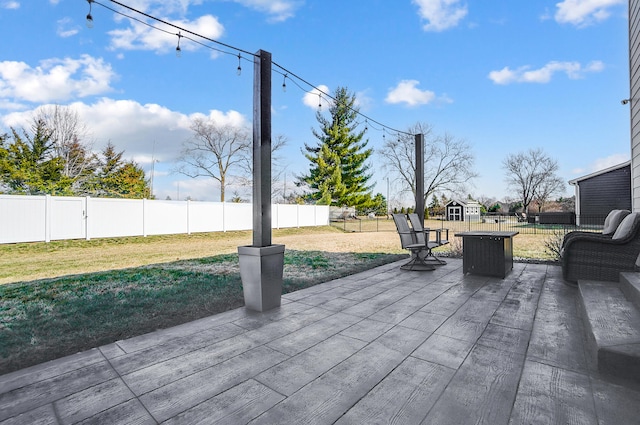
column 423, row 236
column 409, row 241
column 611, row 223
column 602, row 257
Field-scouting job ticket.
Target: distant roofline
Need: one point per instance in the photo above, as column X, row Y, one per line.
column 463, row 203
column 597, row 173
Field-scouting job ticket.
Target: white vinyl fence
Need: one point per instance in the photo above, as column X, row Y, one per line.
column 47, row 218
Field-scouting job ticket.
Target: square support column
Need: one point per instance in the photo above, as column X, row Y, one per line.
column 262, row 263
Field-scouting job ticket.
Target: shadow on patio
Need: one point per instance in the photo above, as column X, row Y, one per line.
column 381, row 346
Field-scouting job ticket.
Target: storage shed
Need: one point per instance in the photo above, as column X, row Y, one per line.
column 602, row 191
column 456, row 210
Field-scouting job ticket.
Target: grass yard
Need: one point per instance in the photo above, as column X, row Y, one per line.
column 63, row 297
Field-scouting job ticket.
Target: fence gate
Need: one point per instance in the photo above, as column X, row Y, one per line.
column 68, row 218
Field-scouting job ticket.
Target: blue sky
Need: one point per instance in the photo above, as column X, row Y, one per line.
column 504, row 76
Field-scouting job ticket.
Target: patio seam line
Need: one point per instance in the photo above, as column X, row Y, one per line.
column 525, row 356
column 172, row 357
column 55, row 413
column 135, row 396
column 308, row 348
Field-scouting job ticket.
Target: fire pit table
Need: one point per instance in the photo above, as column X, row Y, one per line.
column 487, row 253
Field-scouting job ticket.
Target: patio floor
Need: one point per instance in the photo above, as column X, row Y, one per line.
column 383, row 346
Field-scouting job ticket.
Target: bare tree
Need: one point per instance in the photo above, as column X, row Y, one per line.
column 448, row 162
column 532, row 175
column 71, row 141
column 277, row 169
column 215, row 151
column 546, row 190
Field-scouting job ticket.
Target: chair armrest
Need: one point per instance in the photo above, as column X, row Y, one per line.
column 593, row 237
column 439, row 239
column 445, row 240
column 581, row 233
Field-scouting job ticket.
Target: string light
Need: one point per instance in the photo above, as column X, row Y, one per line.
column 178, row 49
column 285, row 72
column 89, row 17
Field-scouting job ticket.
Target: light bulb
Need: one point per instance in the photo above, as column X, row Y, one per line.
column 178, row 49
column 89, row 17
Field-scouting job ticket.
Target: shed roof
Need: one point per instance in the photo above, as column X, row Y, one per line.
column 463, row 203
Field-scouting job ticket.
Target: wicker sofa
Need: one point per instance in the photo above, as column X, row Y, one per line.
column 602, row 257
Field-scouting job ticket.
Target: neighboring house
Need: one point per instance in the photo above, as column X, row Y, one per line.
column 462, row 211
column 602, row 191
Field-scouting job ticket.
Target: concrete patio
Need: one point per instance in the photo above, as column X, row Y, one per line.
column 383, row 346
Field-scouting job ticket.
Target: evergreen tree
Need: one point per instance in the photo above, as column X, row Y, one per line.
column 116, row 178
column 339, row 173
column 28, row 164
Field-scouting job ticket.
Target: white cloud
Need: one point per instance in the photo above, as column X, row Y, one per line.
column 407, row 92
column 163, row 7
column 278, row 10
column 314, row 98
column 584, row 12
column 440, row 14
column 135, row 128
column 602, row 164
column 66, row 28
column 55, row 79
column 609, row 161
column 142, row 37
column 10, row 5
column 363, row 100
column 524, row 74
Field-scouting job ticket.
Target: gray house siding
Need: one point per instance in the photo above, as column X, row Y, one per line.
column 603, row 193
column 634, row 91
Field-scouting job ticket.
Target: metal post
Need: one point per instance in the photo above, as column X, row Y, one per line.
column 262, row 149
column 420, row 176
column 388, row 202
column 261, row 265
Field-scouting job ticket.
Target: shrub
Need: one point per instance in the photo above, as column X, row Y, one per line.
column 553, row 244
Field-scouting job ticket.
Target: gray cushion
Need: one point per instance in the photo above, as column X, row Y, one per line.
column 625, row 227
column 613, row 220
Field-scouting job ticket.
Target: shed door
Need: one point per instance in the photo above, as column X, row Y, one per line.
column 455, row 213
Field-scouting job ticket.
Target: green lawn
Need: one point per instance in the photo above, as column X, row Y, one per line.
column 51, row 318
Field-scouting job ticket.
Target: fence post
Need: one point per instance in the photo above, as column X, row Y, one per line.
column 87, row 226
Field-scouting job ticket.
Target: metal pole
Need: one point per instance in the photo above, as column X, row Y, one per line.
column 262, row 149
column 388, row 204
column 420, row 176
